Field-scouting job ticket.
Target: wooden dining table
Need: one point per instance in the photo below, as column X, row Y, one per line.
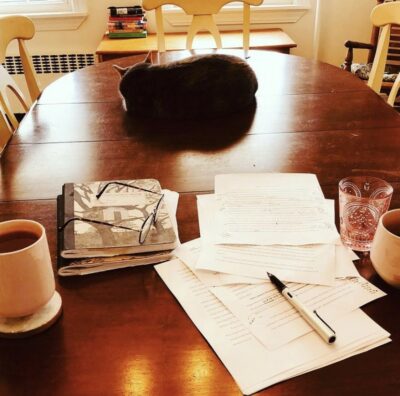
column 122, row 332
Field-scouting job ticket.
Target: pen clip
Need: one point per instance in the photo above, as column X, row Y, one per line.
column 323, row 321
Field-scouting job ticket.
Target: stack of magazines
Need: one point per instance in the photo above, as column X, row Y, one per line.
column 114, row 224
column 127, row 22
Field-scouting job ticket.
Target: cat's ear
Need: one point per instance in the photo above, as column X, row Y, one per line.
column 148, row 58
column 120, row 70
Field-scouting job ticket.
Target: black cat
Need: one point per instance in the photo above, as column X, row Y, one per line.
column 202, row 86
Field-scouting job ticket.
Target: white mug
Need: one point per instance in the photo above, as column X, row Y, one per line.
column 26, row 273
column 385, row 251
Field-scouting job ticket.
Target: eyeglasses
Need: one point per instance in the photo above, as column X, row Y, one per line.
column 150, row 220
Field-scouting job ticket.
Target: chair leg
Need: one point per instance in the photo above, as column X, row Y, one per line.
column 349, row 60
column 203, row 22
column 394, row 91
column 160, row 30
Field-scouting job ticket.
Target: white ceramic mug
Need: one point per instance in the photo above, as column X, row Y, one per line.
column 26, row 275
column 385, row 251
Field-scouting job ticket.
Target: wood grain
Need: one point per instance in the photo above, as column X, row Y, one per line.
column 126, row 328
column 122, row 332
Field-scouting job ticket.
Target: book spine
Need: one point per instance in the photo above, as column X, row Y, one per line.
column 125, row 26
column 127, row 22
column 127, row 35
column 127, row 19
column 68, row 233
column 60, row 234
column 127, row 31
column 117, row 11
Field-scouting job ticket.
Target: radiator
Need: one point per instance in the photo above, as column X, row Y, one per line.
column 48, row 69
column 48, row 64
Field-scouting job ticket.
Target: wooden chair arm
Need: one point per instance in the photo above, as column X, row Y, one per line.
column 354, row 45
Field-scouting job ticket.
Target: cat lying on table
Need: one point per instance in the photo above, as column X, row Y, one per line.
column 201, row 86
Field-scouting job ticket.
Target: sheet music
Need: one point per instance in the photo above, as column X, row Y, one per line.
column 274, row 321
column 252, row 365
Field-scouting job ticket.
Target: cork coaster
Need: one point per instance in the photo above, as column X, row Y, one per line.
column 32, row 324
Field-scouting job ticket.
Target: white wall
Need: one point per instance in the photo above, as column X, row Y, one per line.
column 342, row 20
column 83, row 40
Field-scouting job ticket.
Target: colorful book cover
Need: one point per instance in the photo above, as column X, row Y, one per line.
column 127, row 34
column 128, row 19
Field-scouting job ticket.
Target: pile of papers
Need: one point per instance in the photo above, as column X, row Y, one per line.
column 278, row 223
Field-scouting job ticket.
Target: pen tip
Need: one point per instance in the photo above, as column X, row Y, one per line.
column 269, row 275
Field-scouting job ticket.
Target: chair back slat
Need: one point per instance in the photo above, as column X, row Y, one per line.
column 393, row 57
column 203, row 12
column 387, row 17
column 9, row 87
column 6, row 130
column 20, row 28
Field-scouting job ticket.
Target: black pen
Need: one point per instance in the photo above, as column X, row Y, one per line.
column 311, row 317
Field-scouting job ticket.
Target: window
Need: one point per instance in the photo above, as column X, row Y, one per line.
column 271, row 11
column 48, row 14
column 273, row 3
column 35, row 6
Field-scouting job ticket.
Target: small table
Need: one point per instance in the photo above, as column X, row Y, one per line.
column 270, row 39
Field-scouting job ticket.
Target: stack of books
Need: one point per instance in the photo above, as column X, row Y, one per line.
column 127, row 22
column 114, row 224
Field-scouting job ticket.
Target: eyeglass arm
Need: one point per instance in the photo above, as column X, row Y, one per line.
column 100, row 193
column 93, row 221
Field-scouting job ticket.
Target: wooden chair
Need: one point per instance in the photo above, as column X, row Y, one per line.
column 384, row 16
column 7, row 86
column 392, row 65
column 18, row 28
column 6, row 130
column 203, row 12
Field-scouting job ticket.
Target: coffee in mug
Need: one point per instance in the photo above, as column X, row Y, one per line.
column 26, row 272
column 17, row 240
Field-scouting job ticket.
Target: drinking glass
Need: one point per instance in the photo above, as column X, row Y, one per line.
column 362, row 201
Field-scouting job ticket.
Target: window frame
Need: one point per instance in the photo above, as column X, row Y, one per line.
column 35, row 6
column 271, row 12
column 56, row 15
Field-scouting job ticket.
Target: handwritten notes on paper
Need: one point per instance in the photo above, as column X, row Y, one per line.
column 262, row 220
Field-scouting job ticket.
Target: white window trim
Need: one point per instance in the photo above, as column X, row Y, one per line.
column 59, row 20
column 264, row 14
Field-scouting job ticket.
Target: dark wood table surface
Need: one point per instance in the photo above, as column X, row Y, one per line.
column 122, row 332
